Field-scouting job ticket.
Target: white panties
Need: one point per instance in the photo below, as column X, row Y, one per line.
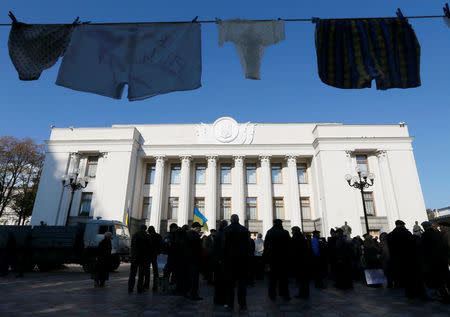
column 250, row 39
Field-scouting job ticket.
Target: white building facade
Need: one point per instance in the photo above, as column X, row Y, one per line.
column 157, row 174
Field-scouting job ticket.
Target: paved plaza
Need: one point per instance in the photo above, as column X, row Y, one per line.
column 70, row 292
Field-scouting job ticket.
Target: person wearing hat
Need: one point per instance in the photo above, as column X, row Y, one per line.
column 406, row 270
column 319, row 259
column 193, row 256
column 435, row 252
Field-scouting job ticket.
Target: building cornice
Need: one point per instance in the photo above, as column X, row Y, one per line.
column 361, row 140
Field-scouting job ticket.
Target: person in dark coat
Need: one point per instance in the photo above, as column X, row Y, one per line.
column 170, row 249
column 103, row 261
column 181, row 265
column 343, row 265
column 208, row 246
column 219, row 267
column 155, row 249
column 404, row 255
column 276, row 253
column 434, row 249
column 140, row 259
column 252, row 263
column 331, row 251
column 319, row 259
column 301, row 261
column 237, row 253
column 193, row 257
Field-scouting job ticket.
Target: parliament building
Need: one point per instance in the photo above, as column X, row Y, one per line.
column 158, row 173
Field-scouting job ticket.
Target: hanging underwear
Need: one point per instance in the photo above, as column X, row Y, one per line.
column 353, row 52
column 151, row 59
column 251, row 39
column 447, row 21
column 36, row 47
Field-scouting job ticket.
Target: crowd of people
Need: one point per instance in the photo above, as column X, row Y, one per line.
column 230, row 259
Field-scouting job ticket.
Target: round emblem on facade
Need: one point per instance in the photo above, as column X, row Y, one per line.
column 226, row 129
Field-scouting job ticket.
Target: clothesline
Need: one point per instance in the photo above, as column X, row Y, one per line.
column 259, row 20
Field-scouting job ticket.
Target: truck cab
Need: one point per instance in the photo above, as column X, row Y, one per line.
column 121, row 241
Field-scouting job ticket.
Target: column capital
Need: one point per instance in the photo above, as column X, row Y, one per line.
column 350, row 153
column 212, row 157
column 291, row 158
column 160, row 158
column 265, row 158
column 239, row 159
column 185, row 158
column 381, row 153
column 75, row 155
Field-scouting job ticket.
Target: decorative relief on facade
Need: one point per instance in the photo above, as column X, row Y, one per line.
column 225, row 130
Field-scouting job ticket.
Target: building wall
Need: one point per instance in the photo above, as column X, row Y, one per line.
column 329, row 151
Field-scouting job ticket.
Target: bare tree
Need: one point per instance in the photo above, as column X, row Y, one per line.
column 20, row 167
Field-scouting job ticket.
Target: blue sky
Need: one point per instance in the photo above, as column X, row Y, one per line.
column 290, row 89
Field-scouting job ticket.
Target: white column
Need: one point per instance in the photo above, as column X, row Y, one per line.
column 239, row 188
column 266, row 190
column 294, row 192
column 211, row 197
column 388, row 189
column 158, row 191
column 185, row 183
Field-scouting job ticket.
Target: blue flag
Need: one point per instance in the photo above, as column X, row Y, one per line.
column 200, row 218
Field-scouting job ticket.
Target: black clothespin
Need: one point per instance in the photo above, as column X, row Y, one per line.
column 315, row 20
column 194, row 20
column 13, row 18
column 447, row 11
column 218, row 20
column 400, row 14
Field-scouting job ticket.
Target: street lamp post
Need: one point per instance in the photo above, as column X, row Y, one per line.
column 74, row 184
column 363, row 180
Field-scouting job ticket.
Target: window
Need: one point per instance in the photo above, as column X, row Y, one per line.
column 361, row 162
column 150, row 174
column 199, row 202
column 121, row 230
column 91, row 169
column 105, row 229
column 301, row 174
column 147, row 208
column 225, row 208
column 252, row 208
column 85, row 204
column 200, row 173
column 251, row 173
column 173, row 208
column 276, row 174
column 370, row 205
column 278, row 208
column 225, row 174
column 305, row 206
column 175, row 174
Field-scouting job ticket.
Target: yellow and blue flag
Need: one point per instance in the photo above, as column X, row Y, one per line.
column 200, row 218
